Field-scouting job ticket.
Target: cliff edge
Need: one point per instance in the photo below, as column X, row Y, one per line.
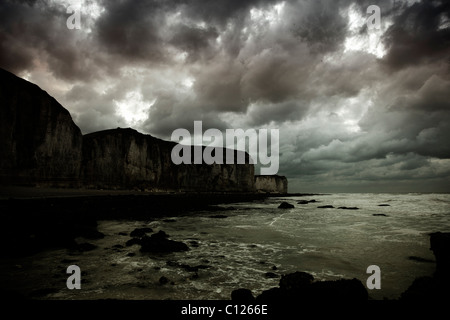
column 41, row 145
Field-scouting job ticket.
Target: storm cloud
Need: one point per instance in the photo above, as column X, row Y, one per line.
column 358, row 109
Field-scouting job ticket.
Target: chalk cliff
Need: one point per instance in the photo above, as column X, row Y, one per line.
column 39, row 141
column 125, row 158
column 271, row 184
column 42, row 145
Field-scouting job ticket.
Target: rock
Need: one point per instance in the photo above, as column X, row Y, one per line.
column 160, row 235
column 270, row 275
column 326, row 207
column 379, row 215
column 300, row 286
column 133, row 242
column 274, row 268
column 160, row 244
column 163, row 280
column 440, row 245
column 194, row 243
column 384, row 205
column 433, row 289
column 348, row 290
column 140, row 232
column 242, row 296
column 306, row 201
column 349, row 208
column 296, row 280
column 419, row 259
column 285, row 205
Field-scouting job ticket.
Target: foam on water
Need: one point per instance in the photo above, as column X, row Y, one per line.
column 257, row 238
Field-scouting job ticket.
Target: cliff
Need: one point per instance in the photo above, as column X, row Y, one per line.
column 271, row 184
column 42, row 145
column 125, row 158
column 40, row 142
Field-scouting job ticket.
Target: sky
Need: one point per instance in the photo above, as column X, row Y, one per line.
column 360, row 106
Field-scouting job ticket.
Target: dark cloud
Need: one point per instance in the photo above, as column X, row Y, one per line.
column 348, row 117
column 419, row 34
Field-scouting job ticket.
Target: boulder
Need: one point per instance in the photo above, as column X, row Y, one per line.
column 140, row 232
column 301, row 287
column 158, row 243
column 285, row 205
column 242, row 296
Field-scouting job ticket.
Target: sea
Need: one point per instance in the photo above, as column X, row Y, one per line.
column 251, row 245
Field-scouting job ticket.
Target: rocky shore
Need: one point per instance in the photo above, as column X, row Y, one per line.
column 300, row 287
column 35, row 224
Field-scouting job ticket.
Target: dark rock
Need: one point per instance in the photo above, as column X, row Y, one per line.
column 349, row 208
column 160, row 235
column 296, row 280
column 306, row 201
column 433, row 289
column 158, row 243
column 193, row 243
column 171, row 263
column 300, row 286
column 163, row 280
column 133, row 242
column 326, row 207
column 348, row 290
column 379, row 215
column 274, row 268
column 384, row 205
column 194, row 276
column 285, row 205
column 272, row 295
column 271, row 275
column 123, row 234
column 242, row 296
column 131, row 254
column 440, row 245
column 118, row 246
column 140, row 232
column 419, row 259
column 170, row 220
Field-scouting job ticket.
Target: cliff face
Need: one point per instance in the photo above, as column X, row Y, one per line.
column 125, row 158
column 42, row 145
column 39, row 141
column 271, row 184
